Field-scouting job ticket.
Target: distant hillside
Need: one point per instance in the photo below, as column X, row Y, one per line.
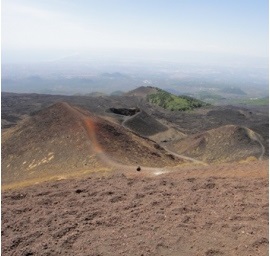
column 95, row 94
column 165, row 99
column 172, row 102
column 142, row 91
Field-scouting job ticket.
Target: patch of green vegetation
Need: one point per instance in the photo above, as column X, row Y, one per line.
column 172, row 102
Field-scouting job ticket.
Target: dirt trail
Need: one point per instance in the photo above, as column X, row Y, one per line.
column 168, row 151
column 185, row 157
column 128, row 118
column 257, row 138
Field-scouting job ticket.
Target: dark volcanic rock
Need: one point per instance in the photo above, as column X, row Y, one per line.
column 125, row 111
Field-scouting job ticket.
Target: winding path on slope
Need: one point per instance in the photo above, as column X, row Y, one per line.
column 89, row 126
column 256, row 137
column 168, row 151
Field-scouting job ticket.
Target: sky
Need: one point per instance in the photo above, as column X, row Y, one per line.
column 42, row 30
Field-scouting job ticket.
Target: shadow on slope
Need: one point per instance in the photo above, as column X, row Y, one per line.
column 144, row 124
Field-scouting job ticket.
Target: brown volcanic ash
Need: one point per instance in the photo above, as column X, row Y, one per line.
column 213, row 210
column 224, row 144
column 62, row 140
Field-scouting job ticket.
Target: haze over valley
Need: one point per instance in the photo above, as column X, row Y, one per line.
column 75, row 75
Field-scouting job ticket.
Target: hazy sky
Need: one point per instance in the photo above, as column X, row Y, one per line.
column 69, row 27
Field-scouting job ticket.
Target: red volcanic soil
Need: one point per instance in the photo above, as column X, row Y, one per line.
column 200, row 210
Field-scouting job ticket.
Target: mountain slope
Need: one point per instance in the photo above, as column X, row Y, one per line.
column 165, row 99
column 50, row 143
column 224, row 144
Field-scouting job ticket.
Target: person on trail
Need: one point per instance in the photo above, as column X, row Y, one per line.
column 138, row 168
